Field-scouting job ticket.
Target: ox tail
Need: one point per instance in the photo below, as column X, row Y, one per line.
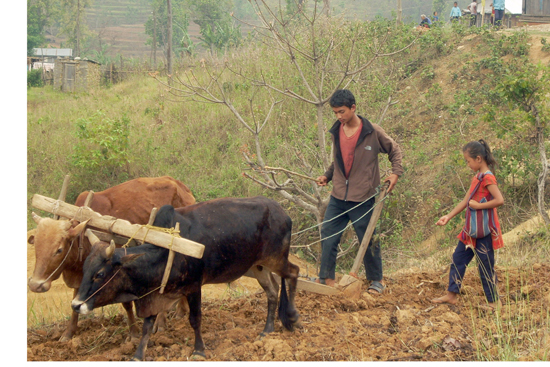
column 286, row 314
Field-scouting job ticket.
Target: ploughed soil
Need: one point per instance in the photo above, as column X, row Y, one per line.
column 399, row 325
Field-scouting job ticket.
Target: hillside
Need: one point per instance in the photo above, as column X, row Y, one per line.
column 441, row 93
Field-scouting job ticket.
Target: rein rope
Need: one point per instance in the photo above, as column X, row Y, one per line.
column 62, row 261
column 171, row 231
column 100, row 288
column 349, row 225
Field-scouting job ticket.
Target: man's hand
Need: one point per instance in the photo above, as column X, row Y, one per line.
column 392, row 179
column 322, row 180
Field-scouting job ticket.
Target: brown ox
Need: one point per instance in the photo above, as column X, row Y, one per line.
column 61, row 250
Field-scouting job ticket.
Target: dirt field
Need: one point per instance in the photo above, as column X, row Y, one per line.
column 400, row 325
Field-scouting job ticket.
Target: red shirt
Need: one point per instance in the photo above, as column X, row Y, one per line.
column 347, row 147
column 483, row 192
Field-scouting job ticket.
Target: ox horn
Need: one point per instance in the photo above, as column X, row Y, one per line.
column 91, row 236
column 109, row 251
column 36, row 217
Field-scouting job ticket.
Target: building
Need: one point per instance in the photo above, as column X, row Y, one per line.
column 44, row 58
column 76, row 75
column 535, row 12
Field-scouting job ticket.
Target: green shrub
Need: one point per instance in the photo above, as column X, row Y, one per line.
column 34, row 78
column 102, row 152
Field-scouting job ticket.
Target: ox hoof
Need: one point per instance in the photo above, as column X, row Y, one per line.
column 65, row 338
column 132, row 339
column 197, row 356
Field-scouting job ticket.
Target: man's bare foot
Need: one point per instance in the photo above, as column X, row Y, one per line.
column 450, row 298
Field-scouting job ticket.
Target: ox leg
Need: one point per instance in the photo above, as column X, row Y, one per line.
column 73, row 324
column 160, row 324
column 132, row 326
column 146, row 332
column 195, row 316
column 287, row 310
column 182, row 308
column 270, row 287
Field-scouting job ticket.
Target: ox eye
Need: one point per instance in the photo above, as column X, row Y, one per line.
column 100, row 275
column 59, row 250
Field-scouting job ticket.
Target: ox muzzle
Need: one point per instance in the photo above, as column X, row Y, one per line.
column 39, row 286
column 80, row 307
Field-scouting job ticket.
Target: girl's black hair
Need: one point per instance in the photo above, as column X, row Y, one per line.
column 481, row 149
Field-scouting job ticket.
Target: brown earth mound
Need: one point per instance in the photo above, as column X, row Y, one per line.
column 400, row 325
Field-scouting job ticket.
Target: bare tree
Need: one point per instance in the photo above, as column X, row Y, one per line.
column 322, row 56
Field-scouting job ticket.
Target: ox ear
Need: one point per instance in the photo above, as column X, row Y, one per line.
column 75, row 231
column 109, row 251
column 36, row 217
column 31, row 239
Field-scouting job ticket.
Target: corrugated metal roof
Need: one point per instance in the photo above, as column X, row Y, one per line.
column 53, row 51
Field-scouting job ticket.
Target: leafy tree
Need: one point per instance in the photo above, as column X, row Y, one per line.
column 523, row 91
column 157, row 26
column 72, row 23
column 38, row 18
column 216, row 26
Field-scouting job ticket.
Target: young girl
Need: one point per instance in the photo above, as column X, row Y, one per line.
column 479, row 159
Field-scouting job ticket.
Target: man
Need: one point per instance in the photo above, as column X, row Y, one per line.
column 473, row 13
column 355, row 176
column 499, row 12
column 456, row 13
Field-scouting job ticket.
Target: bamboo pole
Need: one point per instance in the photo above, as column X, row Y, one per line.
column 169, row 263
column 119, row 226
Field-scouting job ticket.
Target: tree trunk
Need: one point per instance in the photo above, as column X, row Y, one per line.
column 399, row 11
column 154, row 38
column 169, row 41
column 77, row 30
column 544, row 173
column 326, row 7
column 321, row 136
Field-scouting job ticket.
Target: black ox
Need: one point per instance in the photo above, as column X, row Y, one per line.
column 239, row 235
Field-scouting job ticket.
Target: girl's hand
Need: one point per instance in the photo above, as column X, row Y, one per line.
column 473, row 204
column 443, row 220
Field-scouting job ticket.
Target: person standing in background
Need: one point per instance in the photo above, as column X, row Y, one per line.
column 473, row 13
column 456, row 13
column 499, row 12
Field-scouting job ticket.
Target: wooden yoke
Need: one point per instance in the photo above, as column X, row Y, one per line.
column 119, row 226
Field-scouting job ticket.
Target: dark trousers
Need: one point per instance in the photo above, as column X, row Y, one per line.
column 373, row 256
column 485, row 263
column 499, row 14
column 473, row 20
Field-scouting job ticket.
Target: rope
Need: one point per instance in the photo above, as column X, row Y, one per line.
column 55, row 207
column 103, row 286
column 339, row 215
column 65, row 258
column 171, row 231
column 350, row 224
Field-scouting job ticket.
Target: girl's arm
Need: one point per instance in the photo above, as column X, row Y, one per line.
column 497, row 200
column 458, row 208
